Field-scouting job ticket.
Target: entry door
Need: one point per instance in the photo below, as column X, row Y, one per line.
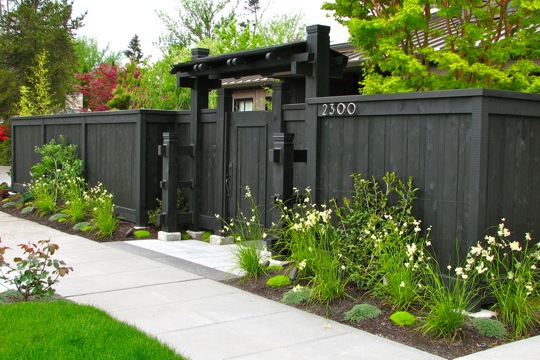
column 247, row 161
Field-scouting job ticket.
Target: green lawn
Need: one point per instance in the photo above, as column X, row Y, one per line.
column 65, row 330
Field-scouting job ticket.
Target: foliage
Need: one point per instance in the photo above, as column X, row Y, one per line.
column 153, row 214
column 447, row 299
column 362, row 312
column 307, row 234
column 75, row 206
column 27, row 29
column 9, row 204
column 36, row 99
column 484, row 43
column 30, row 209
column 57, row 217
column 490, row 327
column 206, row 236
column 510, row 270
column 142, row 234
column 380, row 242
column 65, row 330
column 81, row 225
column 60, row 164
column 296, row 295
column 5, row 151
column 247, row 257
column 90, row 56
column 194, row 21
column 34, row 274
column 278, row 281
column 280, row 29
column 274, row 268
column 134, row 52
column 97, row 86
column 403, row 318
column 102, row 210
column 245, row 226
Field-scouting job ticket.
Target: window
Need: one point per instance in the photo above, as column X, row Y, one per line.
column 243, row 105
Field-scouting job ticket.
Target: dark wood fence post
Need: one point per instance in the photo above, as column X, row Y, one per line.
column 169, row 152
column 282, row 157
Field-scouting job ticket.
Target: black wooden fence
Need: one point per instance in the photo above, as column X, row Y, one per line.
column 472, row 153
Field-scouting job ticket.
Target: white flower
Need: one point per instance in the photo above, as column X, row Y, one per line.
column 510, row 275
column 514, row 245
column 528, row 236
column 428, row 243
column 264, row 235
column 402, row 284
column 464, row 276
column 459, row 271
column 302, row 264
column 297, row 288
column 407, row 265
column 342, row 267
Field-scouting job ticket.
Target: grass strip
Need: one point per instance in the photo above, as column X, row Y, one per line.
column 65, row 330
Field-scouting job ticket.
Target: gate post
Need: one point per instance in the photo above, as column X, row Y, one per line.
column 282, row 156
column 168, row 219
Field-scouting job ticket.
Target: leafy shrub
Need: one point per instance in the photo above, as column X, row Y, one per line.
column 5, row 152
column 26, row 196
column 362, row 312
column 36, row 273
column 296, row 295
column 278, row 281
column 490, row 327
column 185, row 236
column 206, row 235
column 378, row 235
column 153, row 214
column 142, row 234
column 9, row 204
column 403, row 318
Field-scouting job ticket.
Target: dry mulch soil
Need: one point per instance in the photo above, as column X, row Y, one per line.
column 469, row 340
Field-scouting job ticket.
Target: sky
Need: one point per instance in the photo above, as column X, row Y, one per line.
column 114, row 22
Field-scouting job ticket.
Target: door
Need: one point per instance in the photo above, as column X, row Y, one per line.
column 246, row 162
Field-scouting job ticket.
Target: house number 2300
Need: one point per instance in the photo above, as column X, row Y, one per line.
column 338, row 109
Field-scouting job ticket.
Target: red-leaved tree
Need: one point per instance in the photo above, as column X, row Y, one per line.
column 98, row 86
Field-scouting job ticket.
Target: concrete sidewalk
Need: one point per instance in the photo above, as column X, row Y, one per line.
column 152, row 286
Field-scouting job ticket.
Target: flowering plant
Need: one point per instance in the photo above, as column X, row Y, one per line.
column 4, row 132
column 509, row 269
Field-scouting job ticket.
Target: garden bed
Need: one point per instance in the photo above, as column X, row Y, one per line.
column 469, row 341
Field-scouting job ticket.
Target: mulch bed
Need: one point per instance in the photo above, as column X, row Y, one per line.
column 469, row 342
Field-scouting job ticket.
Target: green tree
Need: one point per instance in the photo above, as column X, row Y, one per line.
column 90, row 55
column 481, row 43
column 29, row 27
column 36, row 99
column 194, row 21
column 134, row 52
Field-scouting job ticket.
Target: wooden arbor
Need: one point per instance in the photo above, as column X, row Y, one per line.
column 303, row 67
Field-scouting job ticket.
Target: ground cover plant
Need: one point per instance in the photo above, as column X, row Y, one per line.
column 64, row 330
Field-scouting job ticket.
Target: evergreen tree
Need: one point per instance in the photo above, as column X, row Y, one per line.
column 134, row 52
column 28, row 28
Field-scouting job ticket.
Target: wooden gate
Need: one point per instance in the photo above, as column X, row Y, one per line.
column 246, row 161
